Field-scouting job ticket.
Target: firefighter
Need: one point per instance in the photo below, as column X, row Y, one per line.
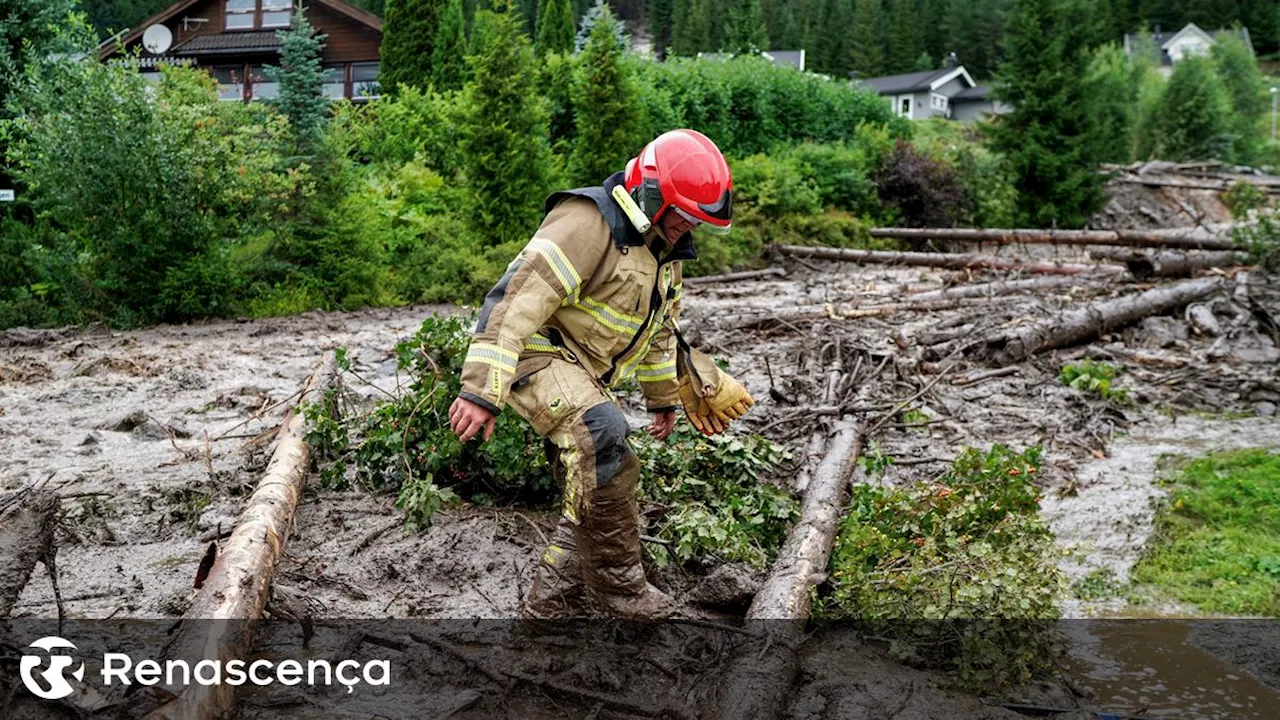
column 591, row 301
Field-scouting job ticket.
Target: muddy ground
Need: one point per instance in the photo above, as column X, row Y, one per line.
column 154, row 438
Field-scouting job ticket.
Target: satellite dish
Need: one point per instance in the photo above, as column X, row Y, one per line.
column 157, row 39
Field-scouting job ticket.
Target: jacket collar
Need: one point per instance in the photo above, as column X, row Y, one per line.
column 683, row 248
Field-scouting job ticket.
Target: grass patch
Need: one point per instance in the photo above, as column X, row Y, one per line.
column 1217, row 537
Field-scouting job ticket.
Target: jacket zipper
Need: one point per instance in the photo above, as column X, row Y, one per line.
column 655, row 302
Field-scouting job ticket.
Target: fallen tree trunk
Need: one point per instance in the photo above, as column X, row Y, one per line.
column 736, row 276
column 833, row 311
column 1074, row 326
column 1135, row 238
column 1168, row 263
column 952, row 261
column 1002, row 287
column 219, row 626
column 26, row 537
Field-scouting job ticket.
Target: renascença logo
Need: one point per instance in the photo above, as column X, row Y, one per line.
column 55, row 684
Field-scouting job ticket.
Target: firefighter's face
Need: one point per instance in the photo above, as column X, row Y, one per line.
column 673, row 225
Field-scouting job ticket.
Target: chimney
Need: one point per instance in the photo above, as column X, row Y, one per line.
column 953, row 62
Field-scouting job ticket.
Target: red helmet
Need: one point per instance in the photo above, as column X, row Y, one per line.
column 683, row 169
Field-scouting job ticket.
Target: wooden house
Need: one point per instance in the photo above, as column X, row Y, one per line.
column 236, row 39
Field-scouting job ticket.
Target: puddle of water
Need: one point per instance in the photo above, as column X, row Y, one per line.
column 1153, row 669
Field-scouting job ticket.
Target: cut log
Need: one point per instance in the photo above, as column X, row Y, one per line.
column 833, row 311
column 220, row 623
column 27, row 522
column 763, row 672
column 1135, row 238
column 736, row 276
column 1168, row 263
column 952, row 261
column 1075, row 326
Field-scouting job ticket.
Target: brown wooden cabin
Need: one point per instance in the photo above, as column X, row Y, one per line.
column 234, row 39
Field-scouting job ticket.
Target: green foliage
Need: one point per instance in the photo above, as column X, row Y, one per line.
column 1194, row 115
column 863, row 52
column 1047, row 136
column 606, row 108
column 448, row 52
column 960, row 574
column 1237, row 70
column 744, row 31
column 1109, row 92
column 709, row 497
column 555, row 27
column 873, row 459
column 29, row 31
column 413, row 126
column 507, row 162
column 408, row 39
column 1089, row 376
column 1099, row 584
column 991, row 197
column 1242, row 198
column 1217, row 537
column 905, row 37
column 301, row 80
column 715, row 496
column 691, row 33
column 599, row 14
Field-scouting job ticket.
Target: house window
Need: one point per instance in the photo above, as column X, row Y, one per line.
column 334, row 81
column 364, row 81
column 230, row 82
column 904, row 108
column 276, row 13
column 939, row 102
column 240, row 14
column 262, row 83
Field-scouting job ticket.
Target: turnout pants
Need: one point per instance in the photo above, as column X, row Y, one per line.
column 595, row 554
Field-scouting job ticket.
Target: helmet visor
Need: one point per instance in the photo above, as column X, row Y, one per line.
column 699, row 224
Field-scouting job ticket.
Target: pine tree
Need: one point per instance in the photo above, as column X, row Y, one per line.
column 408, row 35
column 905, row 40
column 506, row 163
column 692, row 30
column 661, row 24
column 449, row 54
column 744, row 30
column 301, row 81
column 606, row 108
column 1111, row 99
column 1045, row 138
column 975, row 32
column 866, row 54
column 1195, row 121
column 555, row 27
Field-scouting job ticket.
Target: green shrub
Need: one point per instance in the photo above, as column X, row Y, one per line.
column 1089, row 376
column 414, row 126
column 960, row 574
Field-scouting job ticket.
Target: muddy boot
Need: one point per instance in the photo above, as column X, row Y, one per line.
column 612, row 563
column 558, row 590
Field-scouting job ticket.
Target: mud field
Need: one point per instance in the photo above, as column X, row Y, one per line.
column 154, row 438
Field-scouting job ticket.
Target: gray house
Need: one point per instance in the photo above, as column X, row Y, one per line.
column 949, row 92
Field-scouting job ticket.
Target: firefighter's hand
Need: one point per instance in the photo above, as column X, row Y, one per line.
column 662, row 425
column 466, row 418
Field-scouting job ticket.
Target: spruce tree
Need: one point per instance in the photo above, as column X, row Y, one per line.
column 596, row 14
column 1194, row 123
column 606, row 108
column 1045, row 138
column 866, row 54
column 905, row 41
column 744, row 30
column 555, row 27
column 505, row 155
column 692, row 29
column 1111, row 100
column 408, row 36
column 449, row 54
column 301, row 81
column 661, row 24
column 1240, row 77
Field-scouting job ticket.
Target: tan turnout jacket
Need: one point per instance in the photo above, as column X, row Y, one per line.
column 581, row 292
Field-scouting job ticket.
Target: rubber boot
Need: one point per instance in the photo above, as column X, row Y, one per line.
column 612, row 561
column 558, row 590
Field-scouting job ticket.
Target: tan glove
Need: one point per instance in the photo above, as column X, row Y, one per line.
column 712, row 399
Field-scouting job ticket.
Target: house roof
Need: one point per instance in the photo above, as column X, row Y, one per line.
column 791, row 58
column 238, row 42
column 916, row 81
column 977, row 93
column 110, row 46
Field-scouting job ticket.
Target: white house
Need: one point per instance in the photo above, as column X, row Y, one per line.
column 1173, row 47
column 949, row 92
